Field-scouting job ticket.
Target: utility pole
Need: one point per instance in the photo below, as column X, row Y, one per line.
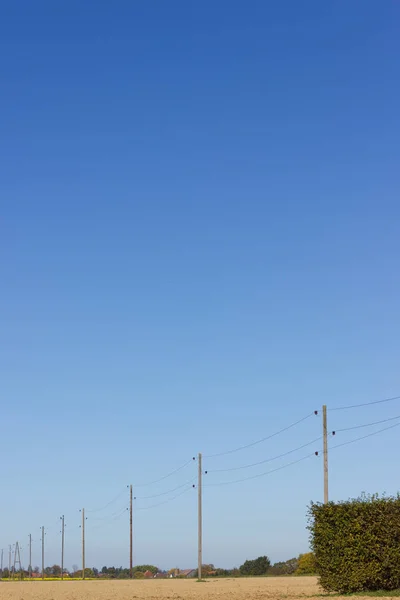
column 200, row 519
column 83, row 543
column 62, row 546
column 325, row 436
column 30, row 556
column 42, row 552
column 2, row 562
column 17, row 560
column 9, row 562
column 130, row 532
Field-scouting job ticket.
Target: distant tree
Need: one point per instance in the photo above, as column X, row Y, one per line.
column 75, row 569
column 138, row 575
column 306, row 564
column 55, row 571
column 124, row 574
column 256, row 567
column 144, row 568
column 284, row 568
column 5, row 574
column 206, row 570
column 36, row 570
column 95, row 572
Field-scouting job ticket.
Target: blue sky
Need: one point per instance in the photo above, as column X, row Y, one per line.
column 199, row 246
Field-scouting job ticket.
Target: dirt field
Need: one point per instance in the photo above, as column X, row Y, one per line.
column 271, row 588
column 166, row 589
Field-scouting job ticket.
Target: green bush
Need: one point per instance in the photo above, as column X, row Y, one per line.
column 256, row 567
column 357, row 544
column 306, row 564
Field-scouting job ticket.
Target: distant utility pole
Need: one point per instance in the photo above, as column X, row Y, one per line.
column 325, row 436
column 130, row 532
column 9, row 562
column 17, row 560
column 42, row 552
column 2, row 562
column 200, row 518
column 30, row 556
column 83, row 543
column 62, row 546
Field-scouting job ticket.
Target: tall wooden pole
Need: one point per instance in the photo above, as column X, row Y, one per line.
column 62, row 546
column 200, row 519
column 9, row 562
column 83, row 543
column 42, row 552
column 30, row 556
column 325, row 436
column 130, row 532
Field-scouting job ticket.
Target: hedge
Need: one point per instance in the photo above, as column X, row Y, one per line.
column 357, row 544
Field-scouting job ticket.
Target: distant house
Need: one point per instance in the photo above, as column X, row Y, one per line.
column 160, row 575
column 188, row 573
column 148, row 575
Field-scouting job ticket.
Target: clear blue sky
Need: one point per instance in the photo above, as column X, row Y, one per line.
column 200, row 228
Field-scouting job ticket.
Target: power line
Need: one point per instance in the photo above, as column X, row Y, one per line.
column 94, row 510
column 367, row 424
column 364, row 436
column 261, row 462
column 166, row 501
column 365, row 404
column 108, row 517
column 117, row 516
column 264, row 439
column 165, row 476
column 295, row 462
column 179, row 487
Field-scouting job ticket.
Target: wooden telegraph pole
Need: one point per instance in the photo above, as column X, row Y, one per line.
column 325, row 436
column 62, row 546
column 83, row 543
column 42, row 552
column 200, row 519
column 30, row 556
column 131, row 532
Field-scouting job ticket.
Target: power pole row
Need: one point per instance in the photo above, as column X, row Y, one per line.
column 199, row 516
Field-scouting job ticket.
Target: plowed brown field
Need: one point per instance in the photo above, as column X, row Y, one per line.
column 269, row 588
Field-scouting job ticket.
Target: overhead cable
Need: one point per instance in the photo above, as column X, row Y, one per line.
column 108, row 503
column 261, row 462
column 367, row 424
column 165, row 476
column 365, row 436
column 165, row 501
column 295, row 462
column 264, row 439
column 179, row 487
column 365, row 404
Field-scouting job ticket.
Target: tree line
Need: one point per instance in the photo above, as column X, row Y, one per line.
column 261, row 566
column 304, row 564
